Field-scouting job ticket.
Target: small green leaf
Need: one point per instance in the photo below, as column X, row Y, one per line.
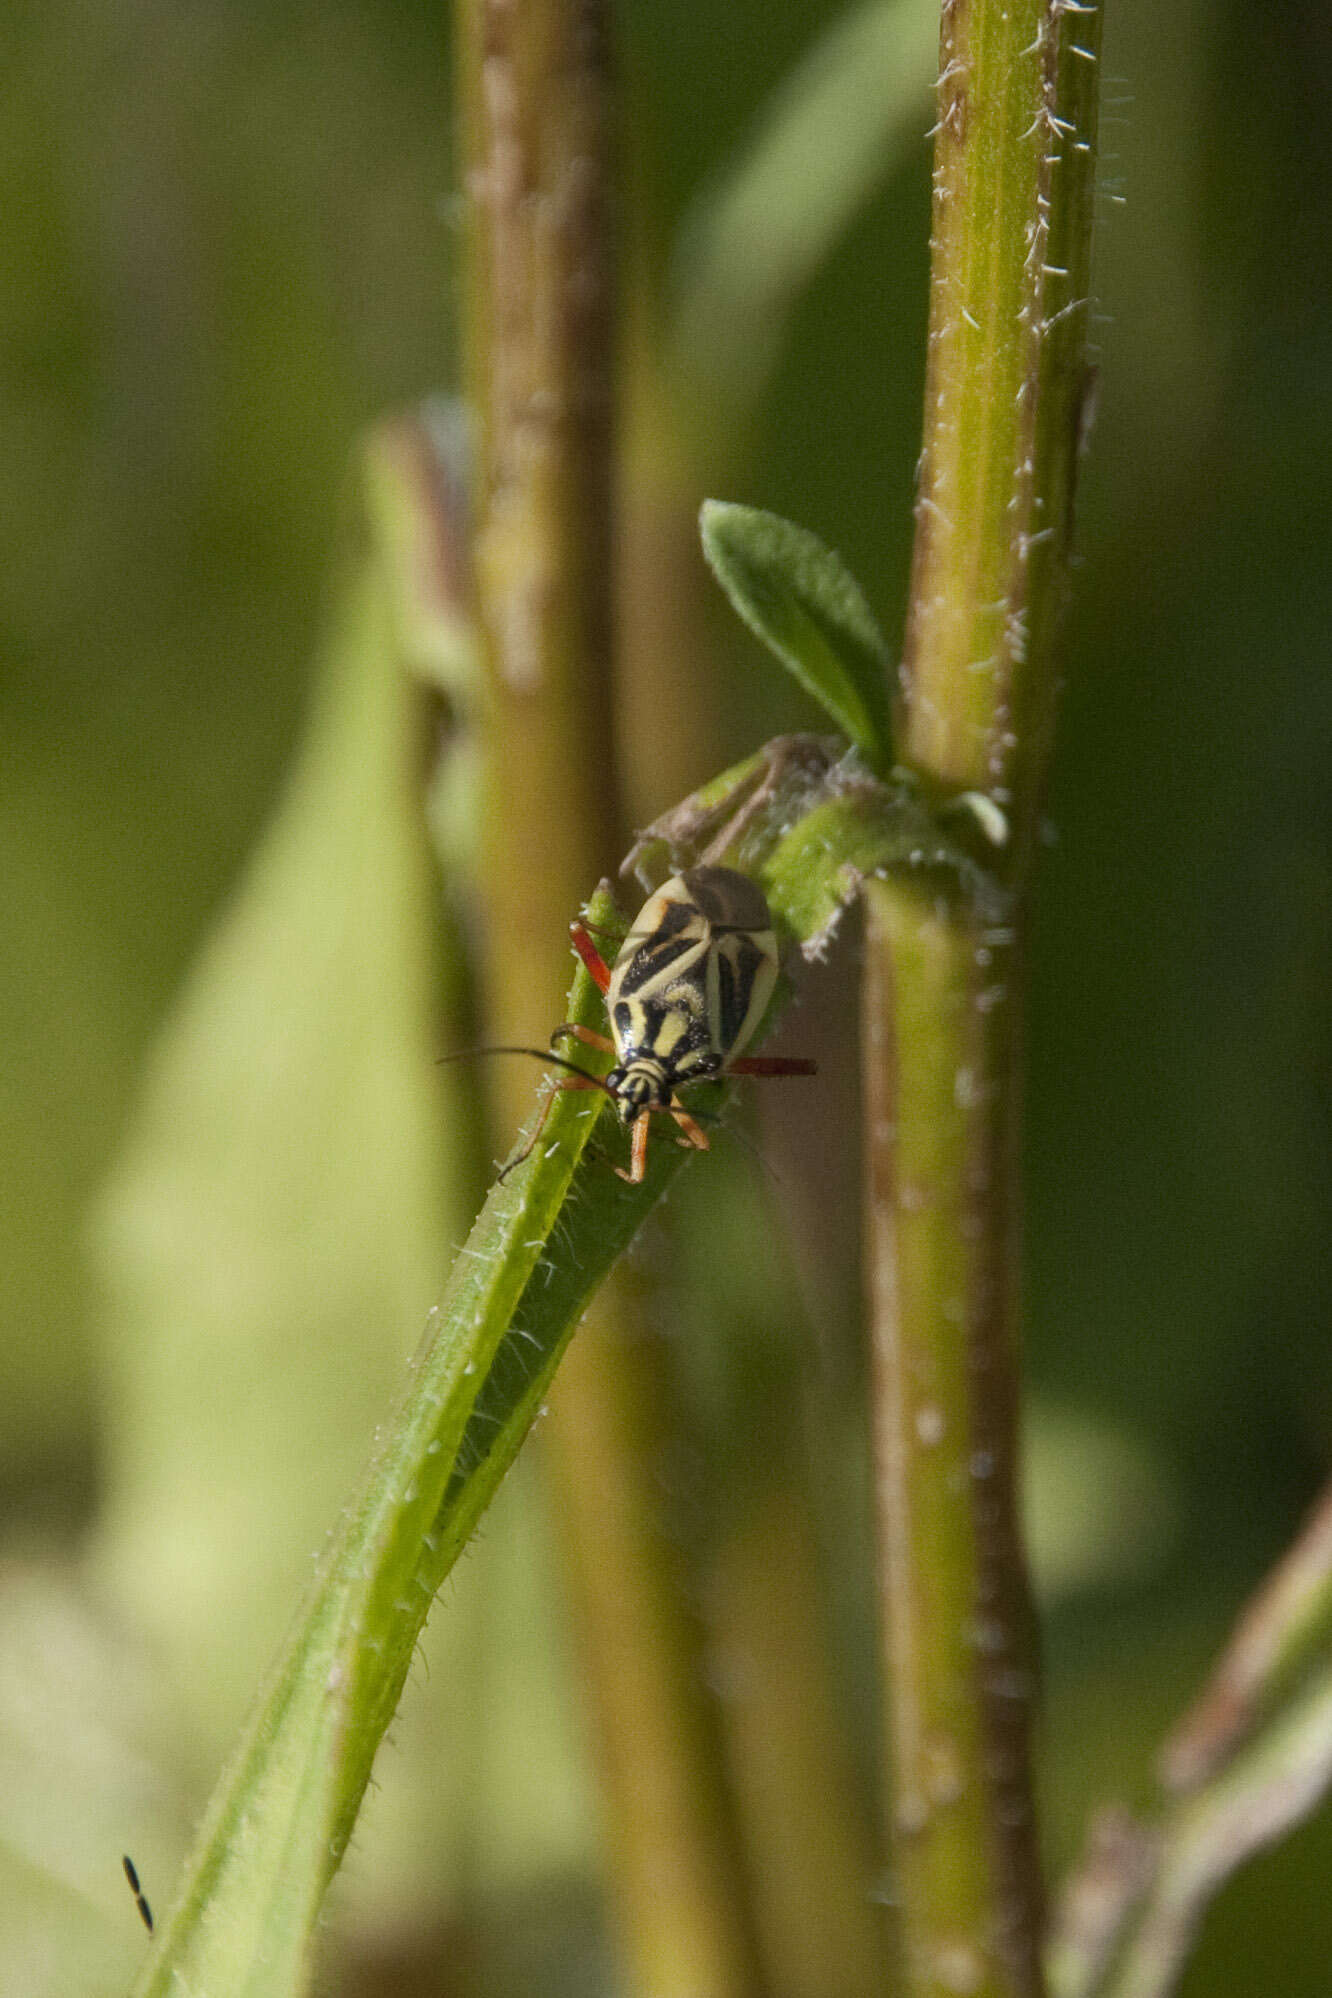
column 807, row 607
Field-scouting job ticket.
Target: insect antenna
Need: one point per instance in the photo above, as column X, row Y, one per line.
column 545, row 1055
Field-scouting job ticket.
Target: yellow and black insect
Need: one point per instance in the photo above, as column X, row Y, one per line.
column 689, row 986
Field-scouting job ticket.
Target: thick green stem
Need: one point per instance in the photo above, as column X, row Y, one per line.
column 1007, row 386
column 1006, row 398
column 956, row 1625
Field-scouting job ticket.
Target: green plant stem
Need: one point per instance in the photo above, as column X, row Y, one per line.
column 1007, row 388
column 955, row 1620
column 536, row 90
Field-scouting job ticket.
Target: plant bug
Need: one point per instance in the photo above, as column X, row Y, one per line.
column 686, row 992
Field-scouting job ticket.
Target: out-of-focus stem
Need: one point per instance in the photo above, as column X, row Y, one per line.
column 808, row 1844
column 1287, row 1625
column 1252, row 1758
column 675, row 1875
column 1273, row 1783
column 536, row 112
column 808, row 1851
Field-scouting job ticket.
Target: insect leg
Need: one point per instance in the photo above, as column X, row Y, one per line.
column 581, row 939
column 695, row 1135
column 574, row 1082
column 772, row 1065
column 777, row 757
column 638, row 1154
column 585, row 1034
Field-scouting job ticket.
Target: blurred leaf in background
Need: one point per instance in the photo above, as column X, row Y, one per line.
column 198, row 309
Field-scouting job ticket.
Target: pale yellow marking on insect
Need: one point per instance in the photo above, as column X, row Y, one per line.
column 672, row 1031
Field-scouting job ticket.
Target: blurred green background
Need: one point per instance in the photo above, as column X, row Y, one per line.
column 229, row 246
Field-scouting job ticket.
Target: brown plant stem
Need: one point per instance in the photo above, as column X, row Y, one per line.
column 1250, row 1760
column 1169, row 1874
column 809, row 1847
column 535, row 104
column 675, row 1873
column 536, row 95
column 807, row 1844
column 1284, row 1629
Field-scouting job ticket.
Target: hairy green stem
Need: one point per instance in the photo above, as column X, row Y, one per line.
column 940, row 1290
column 1007, row 389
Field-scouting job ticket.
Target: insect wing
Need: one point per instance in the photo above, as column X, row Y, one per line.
column 742, row 971
column 742, row 954
column 657, row 997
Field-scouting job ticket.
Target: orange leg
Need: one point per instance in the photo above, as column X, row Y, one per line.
column 638, row 1152
column 575, row 1083
column 581, row 939
column 694, row 1134
column 585, row 1034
